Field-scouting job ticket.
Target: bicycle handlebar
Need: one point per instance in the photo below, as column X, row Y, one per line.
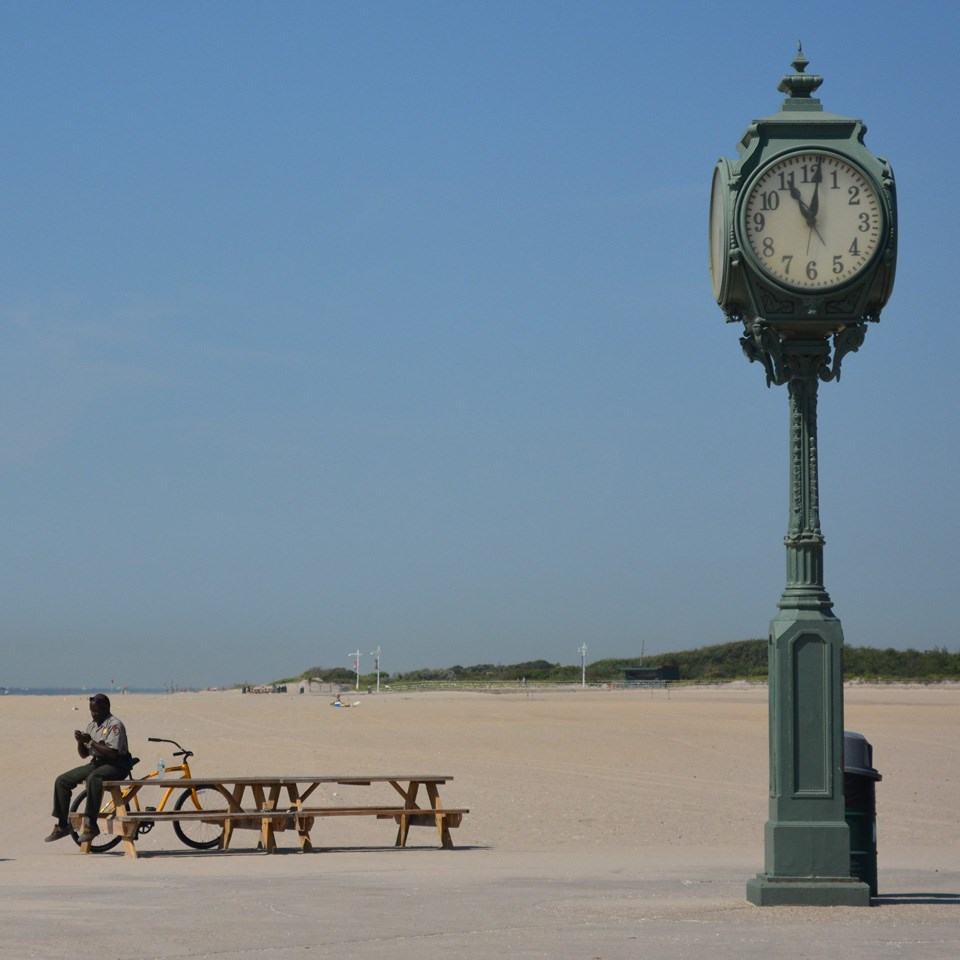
column 179, row 752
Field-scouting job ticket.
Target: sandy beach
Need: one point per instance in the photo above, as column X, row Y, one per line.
column 603, row 824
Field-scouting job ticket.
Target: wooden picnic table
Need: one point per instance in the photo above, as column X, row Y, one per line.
column 271, row 804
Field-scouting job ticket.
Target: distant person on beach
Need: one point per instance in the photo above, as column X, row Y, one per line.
column 104, row 743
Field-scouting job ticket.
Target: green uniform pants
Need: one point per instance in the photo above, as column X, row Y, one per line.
column 93, row 775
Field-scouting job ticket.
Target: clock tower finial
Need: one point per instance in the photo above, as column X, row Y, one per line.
column 800, row 62
column 799, row 86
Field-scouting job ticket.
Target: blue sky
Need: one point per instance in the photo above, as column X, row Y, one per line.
column 330, row 325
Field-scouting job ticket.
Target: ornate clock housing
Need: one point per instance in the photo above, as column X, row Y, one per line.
column 803, row 225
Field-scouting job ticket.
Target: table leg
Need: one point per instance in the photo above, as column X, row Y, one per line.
column 121, row 804
column 409, row 803
column 227, row 834
column 445, row 840
column 303, row 824
column 268, row 838
column 234, row 803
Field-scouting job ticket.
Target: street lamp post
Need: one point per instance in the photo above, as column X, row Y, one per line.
column 583, row 664
column 376, row 662
column 803, row 253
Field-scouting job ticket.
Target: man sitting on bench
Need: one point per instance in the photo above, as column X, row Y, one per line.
column 105, row 744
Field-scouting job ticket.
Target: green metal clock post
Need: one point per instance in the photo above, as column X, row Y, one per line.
column 803, row 253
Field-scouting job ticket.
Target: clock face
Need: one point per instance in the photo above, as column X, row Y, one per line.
column 812, row 221
column 718, row 235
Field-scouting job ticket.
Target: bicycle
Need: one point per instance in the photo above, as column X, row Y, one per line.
column 194, row 833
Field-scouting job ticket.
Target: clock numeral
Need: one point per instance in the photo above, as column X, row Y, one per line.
column 837, row 264
column 759, row 222
column 767, row 247
column 786, row 259
column 769, row 201
column 812, row 270
column 810, row 174
column 864, row 222
column 786, row 181
column 854, row 250
column 854, row 192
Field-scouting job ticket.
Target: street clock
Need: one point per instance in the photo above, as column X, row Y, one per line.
column 803, row 244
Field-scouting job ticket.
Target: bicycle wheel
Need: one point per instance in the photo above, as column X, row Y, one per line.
column 197, row 833
column 103, row 841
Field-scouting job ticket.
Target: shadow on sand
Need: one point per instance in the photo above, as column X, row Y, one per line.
column 898, row 899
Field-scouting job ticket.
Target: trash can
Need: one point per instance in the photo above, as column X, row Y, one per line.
column 860, row 807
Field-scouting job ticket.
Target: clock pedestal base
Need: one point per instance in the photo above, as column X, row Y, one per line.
column 806, row 838
column 764, row 891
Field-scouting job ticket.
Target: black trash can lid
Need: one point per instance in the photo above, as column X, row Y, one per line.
column 858, row 755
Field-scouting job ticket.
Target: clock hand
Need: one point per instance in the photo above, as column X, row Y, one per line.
column 809, row 213
column 815, row 204
column 812, row 222
column 815, row 200
column 804, row 209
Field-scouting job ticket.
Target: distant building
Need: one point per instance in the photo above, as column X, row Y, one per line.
column 635, row 676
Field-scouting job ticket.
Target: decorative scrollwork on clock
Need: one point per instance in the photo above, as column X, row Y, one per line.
column 774, row 306
column 763, row 345
column 845, row 306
